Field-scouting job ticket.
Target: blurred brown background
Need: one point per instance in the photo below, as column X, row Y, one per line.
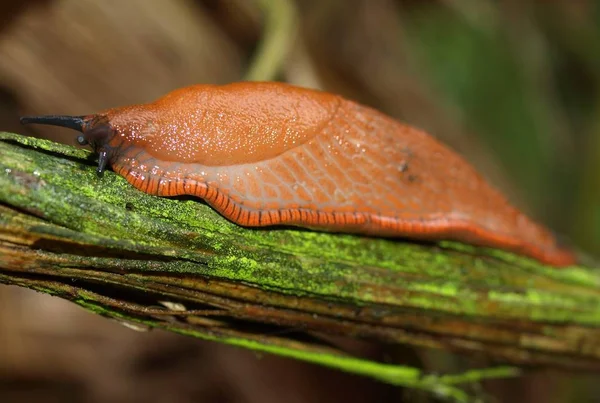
column 514, row 85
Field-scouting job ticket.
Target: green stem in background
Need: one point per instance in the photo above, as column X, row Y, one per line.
column 278, row 35
column 586, row 229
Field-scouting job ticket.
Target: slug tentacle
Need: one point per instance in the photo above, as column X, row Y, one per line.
column 102, row 161
column 82, row 141
column 265, row 154
column 71, row 122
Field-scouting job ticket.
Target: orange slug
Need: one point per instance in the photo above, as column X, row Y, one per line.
column 264, row 154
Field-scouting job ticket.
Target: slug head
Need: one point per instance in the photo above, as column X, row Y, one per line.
column 96, row 132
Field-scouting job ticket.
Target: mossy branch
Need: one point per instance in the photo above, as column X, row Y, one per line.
column 178, row 265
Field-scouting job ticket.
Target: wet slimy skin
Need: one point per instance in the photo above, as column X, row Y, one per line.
column 265, row 154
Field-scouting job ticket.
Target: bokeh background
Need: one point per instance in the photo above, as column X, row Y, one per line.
column 513, row 85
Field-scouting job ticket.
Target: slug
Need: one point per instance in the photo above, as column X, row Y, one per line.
column 266, row 154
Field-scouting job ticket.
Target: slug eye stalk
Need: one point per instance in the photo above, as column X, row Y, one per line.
column 70, row 122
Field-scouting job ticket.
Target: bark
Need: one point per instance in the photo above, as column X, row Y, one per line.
column 118, row 252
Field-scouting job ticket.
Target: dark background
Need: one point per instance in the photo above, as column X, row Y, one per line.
column 511, row 84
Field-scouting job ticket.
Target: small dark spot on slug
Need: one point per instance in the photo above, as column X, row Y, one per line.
column 413, row 178
column 403, row 166
column 407, row 151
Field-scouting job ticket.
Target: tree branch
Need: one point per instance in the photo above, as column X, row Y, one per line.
column 178, row 265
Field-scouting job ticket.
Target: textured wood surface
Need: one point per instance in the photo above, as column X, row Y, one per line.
column 446, row 296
